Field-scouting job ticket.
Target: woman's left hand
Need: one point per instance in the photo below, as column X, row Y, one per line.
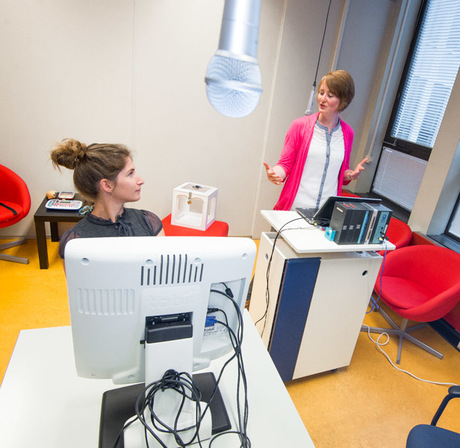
column 354, row 174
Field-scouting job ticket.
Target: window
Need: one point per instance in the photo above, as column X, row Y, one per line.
column 427, row 80
column 430, row 75
column 453, row 227
column 422, row 97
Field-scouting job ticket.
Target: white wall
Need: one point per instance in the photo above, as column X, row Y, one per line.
column 132, row 71
column 440, row 185
column 66, row 72
column 293, row 74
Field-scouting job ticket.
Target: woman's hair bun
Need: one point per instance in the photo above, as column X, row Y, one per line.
column 68, row 153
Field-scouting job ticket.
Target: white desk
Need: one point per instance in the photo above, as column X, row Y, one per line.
column 43, row 403
column 305, row 238
column 310, row 315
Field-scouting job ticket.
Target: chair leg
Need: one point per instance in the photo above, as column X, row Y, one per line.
column 421, row 344
column 13, row 258
column 402, row 332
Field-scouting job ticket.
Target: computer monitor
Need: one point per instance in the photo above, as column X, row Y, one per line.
column 122, row 290
column 115, row 284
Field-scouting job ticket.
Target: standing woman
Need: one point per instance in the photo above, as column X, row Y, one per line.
column 105, row 174
column 314, row 163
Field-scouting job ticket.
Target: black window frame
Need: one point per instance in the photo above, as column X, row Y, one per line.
column 412, row 149
column 455, row 210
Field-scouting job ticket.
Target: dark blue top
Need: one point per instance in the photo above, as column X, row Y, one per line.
column 131, row 222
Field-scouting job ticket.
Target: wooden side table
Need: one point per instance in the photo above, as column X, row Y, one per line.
column 43, row 215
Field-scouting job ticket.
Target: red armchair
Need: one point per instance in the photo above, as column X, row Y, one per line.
column 14, row 206
column 399, row 233
column 419, row 283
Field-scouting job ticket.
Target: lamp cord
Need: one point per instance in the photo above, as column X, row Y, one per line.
column 322, row 42
column 308, row 111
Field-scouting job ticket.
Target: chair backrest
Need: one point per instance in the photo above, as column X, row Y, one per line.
column 435, row 269
column 399, row 233
column 14, row 189
column 349, row 194
column 430, row 435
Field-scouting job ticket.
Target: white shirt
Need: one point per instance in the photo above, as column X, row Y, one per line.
column 321, row 171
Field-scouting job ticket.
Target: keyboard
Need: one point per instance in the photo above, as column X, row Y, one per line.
column 63, row 204
column 307, row 213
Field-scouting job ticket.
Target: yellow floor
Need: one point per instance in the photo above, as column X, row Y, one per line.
column 30, row 297
column 368, row 404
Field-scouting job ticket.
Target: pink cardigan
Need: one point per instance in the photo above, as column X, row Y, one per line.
column 294, row 155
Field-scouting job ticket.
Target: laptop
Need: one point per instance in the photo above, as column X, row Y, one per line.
column 322, row 216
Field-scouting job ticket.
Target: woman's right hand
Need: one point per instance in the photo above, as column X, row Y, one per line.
column 275, row 174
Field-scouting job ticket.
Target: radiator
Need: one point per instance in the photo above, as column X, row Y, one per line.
column 398, row 177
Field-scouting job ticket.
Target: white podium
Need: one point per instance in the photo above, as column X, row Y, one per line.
column 310, row 315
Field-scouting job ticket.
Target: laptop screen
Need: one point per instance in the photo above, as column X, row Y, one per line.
column 323, row 216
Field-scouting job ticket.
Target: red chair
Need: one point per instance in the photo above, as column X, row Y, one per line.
column 398, row 233
column 419, row 283
column 14, row 206
column 349, row 194
column 217, row 228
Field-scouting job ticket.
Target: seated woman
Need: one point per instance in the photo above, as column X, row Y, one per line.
column 105, row 174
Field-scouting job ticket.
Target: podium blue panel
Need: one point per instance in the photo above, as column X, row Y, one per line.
column 293, row 304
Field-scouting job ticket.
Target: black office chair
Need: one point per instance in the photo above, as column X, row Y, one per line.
column 429, row 436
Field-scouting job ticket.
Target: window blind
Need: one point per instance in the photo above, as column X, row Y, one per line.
column 431, row 74
column 398, row 177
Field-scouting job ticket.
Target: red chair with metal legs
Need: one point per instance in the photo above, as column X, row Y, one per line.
column 398, row 233
column 420, row 283
column 14, row 206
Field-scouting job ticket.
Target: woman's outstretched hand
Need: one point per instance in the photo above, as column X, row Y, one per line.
column 275, row 174
column 357, row 171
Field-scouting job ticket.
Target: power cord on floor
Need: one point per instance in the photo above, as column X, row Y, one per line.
column 379, row 346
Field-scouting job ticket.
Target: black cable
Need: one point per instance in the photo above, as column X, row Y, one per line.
column 322, row 42
column 236, row 341
column 310, row 100
column 375, row 303
column 241, row 380
column 183, row 384
column 267, row 273
column 174, row 380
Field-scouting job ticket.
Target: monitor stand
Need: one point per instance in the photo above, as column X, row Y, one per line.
column 118, row 405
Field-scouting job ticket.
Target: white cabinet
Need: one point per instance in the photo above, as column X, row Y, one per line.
column 310, row 315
